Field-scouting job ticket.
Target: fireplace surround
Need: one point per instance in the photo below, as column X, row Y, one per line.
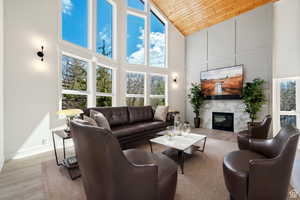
column 223, row 121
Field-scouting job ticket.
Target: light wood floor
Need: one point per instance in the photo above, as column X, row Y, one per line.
column 21, row 179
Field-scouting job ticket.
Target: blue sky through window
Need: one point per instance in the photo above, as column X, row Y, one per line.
column 157, row 42
column 104, row 28
column 135, row 39
column 136, row 4
column 75, row 22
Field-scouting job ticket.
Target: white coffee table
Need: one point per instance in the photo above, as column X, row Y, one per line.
column 181, row 144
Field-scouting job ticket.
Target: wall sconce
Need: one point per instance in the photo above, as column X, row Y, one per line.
column 41, row 53
column 175, row 80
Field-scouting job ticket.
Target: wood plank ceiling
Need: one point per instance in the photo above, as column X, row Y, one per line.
column 192, row 15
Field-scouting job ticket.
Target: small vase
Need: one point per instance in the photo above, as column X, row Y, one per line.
column 197, row 122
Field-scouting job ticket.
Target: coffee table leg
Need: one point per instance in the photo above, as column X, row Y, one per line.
column 202, row 150
column 151, row 147
column 181, row 160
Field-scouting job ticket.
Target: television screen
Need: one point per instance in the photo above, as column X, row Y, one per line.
column 223, row 83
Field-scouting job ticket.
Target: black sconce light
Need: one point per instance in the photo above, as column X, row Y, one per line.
column 41, row 53
column 175, row 79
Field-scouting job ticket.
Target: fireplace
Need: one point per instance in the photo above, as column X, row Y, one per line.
column 223, row 121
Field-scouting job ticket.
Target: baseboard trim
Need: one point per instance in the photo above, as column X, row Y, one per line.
column 23, row 153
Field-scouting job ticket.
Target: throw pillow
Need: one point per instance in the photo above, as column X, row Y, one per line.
column 100, row 119
column 90, row 120
column 161, row 113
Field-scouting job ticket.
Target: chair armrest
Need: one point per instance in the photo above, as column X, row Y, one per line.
column 262, row 146
column 264, row 175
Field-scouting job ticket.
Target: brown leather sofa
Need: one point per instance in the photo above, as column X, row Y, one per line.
column 110, row 174
column 264, row 171
column 131, row 125
column 259, row 130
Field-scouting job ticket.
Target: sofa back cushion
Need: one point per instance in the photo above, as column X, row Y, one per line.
column 116, row 116
column 139, row 114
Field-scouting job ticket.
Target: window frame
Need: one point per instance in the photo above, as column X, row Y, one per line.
column 114, row 31
column 165, row 21
column 86, row 92
column 140, row 15
column 137, row 95
column 113, row 89
column 153, row 96
column 147, row 15
column 278, row 101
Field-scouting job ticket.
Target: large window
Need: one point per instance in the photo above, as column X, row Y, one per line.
column 157, row 50
column 135, row 39
column 89, row 35
column 104, row 35
column 289, row 102
column 135, row 89
column 104, row 86
column 75, row 21
column 146, row 36
column 74, row 83
column 158, row 85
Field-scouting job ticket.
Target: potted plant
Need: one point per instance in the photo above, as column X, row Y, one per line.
column 196, row 98
column 253, row 97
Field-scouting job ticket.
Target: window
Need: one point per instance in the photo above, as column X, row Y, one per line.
column 135, row 89
column 136, row 4
column 158, row 85
column 74, row 83
column 75, row 21
column 104, row 35
column 104, row 86
column 157, row 50
column 135, row 39
column 289, row 98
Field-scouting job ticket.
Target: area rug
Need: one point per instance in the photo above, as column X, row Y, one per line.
column 203, row 178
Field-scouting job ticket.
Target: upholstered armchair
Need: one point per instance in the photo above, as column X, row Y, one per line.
column 264, row 171
column 258, row 130
column 108, row 173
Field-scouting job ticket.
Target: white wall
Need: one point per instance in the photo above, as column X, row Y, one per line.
column 286, row 39
column 32, row 87
column 286, row 51
column 1, row 85
column 247, row 40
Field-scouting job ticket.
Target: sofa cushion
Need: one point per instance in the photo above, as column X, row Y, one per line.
column 124, row 130
column 154, row 125
column 90, row 120
column 161, row 113
column 139, row 114
column 100, row 119
column 116, row 116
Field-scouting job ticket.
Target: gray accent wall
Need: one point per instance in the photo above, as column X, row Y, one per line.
column 1, row 85
column 246, row 39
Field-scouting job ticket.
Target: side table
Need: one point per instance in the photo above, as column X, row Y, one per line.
column 70, row 163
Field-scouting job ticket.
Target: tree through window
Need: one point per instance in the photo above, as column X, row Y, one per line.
column 104, row 37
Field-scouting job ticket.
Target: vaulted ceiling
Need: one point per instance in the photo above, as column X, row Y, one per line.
column 193, row 15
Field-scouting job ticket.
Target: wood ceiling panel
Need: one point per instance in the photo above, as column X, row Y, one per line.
column 192, row 15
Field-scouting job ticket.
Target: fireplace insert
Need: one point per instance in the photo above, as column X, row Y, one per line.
column 223, row 121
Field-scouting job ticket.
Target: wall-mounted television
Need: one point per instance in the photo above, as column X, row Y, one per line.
column 223, row 83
